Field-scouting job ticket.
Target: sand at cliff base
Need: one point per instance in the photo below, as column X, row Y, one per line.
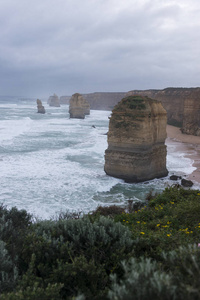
column 188, row 144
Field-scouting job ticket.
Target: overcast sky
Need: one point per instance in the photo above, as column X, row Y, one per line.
column 68, row 46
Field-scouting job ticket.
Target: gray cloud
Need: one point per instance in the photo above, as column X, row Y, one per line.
column 68, row 46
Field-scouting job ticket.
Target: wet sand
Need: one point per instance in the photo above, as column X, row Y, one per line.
column 188, row 144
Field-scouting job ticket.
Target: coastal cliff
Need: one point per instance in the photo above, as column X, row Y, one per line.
column 79, row 107
column 136, row 140
column 191, row 117
column 103, row 101
column 182, row 106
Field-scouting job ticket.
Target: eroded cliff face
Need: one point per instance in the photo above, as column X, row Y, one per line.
column 79, row 107
column 178, row 103
column 103, row 101
column 182, row 106
column 136, row 140
column 191, row 117
column 40, row 107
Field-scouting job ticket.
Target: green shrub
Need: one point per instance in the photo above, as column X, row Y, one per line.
column 75, row 253
column 108, row 211
column 8, row 271
column 184, row 263
column 51, row 292
column 142, row 280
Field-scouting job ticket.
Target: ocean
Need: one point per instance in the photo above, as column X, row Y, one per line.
column 50, row 163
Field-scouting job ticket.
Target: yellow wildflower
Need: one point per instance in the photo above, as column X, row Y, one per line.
column 142, row 232
column 158, row 225
column 138, row 222
column 168, row 234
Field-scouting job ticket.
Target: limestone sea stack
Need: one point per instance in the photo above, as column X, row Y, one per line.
column 78, row 106
column 40, row 107
column 54, row 101
column 136, row 140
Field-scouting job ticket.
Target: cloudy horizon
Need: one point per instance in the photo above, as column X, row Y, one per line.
column 68, row 46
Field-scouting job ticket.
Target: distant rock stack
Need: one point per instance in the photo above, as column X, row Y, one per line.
column 78, row 107
column 40, row 107
column 54, row 101
column 136, row 140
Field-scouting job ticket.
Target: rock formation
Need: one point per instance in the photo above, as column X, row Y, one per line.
column 54, row 101
column 136, row 140
column 191, row 117
column 40, row 107
column 182, row 106
column 79, row 107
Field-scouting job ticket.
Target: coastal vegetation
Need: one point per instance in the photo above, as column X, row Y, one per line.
column 149, row 250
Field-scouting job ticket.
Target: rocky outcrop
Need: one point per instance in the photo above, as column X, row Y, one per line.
column 78, row 107
column 186, row 183
column 40, row 107
column 136, row 140
column 54, row 101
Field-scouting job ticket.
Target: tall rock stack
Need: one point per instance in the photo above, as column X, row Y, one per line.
column 40, row 107
column 54, row 101
column 78, row 107
column 136, row 140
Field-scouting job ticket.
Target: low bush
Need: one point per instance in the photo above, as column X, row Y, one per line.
column 177, row 277
column 76, row 257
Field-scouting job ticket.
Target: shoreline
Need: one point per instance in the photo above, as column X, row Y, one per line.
column 187, row 144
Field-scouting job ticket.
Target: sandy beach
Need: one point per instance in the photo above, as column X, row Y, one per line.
column 188, row 144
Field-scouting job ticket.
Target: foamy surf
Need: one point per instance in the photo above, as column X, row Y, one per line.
column 50, row 163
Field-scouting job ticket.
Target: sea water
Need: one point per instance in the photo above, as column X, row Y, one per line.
column 50, row 163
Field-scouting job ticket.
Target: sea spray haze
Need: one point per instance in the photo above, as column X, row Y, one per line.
column 50, row 163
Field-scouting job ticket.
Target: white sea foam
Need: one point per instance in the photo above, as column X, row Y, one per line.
column 12, row 128
column 50, row 162
column 177, row 162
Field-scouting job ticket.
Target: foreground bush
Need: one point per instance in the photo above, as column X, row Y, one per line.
column 80, row 258
column 72, row 256
column 145, row 279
